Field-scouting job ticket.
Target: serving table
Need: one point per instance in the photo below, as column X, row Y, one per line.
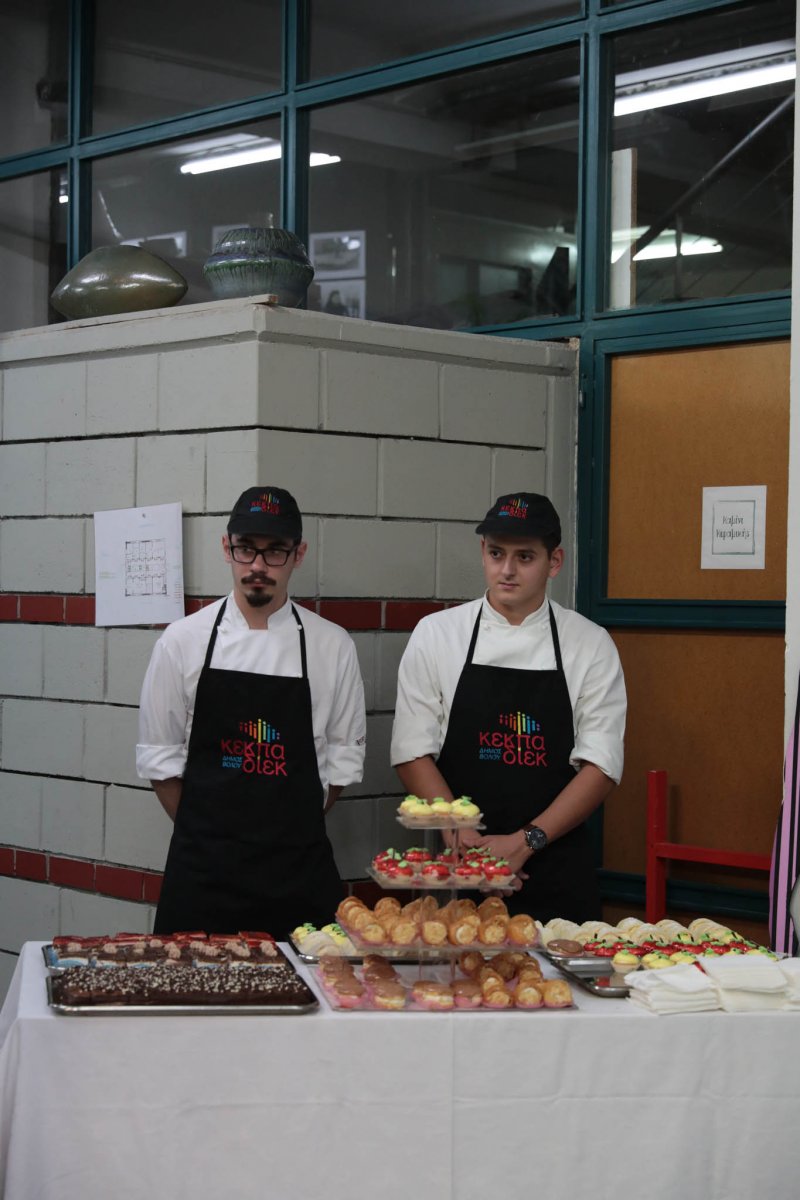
column 582, row 1102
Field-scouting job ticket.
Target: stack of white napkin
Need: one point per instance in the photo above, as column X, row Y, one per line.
column 747, row 982
column 673, row 989
column 733, row 982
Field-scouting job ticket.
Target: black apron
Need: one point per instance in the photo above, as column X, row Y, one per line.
column 508, row 743
column 249, row 850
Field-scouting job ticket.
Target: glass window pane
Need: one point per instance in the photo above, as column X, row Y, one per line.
column 33, row 79
column 350, row 35
column 154, row 60
column 454, row 200
column 702, row 159
column 33, row 247
column 178, row 198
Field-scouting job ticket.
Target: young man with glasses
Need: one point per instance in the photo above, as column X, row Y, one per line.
column 251, row 722
column 520, row 704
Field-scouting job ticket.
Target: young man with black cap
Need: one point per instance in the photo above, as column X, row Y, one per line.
column 251, row 722
column 520, row 704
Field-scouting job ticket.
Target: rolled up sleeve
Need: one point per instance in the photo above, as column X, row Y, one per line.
column 419, row 713
column 600, row 713
column 346, row 726
column 163, row 718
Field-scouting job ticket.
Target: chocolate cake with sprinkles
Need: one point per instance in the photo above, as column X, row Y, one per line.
column 178, row 984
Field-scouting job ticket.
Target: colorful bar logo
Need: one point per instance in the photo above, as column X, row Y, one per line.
column 260, row 730
column 520, row 722
column 266, row 502
column 515, row 508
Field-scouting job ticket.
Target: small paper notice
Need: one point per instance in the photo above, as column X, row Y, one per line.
column 138, row 565
column 734, row 528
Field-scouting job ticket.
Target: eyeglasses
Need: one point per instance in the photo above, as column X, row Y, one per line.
column 273, row 556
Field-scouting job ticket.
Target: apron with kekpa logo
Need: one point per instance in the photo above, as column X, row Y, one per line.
column 508, row 744
column 249, row 850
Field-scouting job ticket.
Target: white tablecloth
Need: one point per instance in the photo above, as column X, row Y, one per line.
column 587, row 1102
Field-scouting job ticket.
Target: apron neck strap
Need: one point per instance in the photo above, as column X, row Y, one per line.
column 553, row 630
column 213, row 639
column 302, row 632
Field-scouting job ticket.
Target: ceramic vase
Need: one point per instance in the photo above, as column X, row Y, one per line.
column 258, row 260
column 117, row 279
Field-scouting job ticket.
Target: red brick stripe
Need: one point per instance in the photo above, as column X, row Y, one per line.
column 353, row 615
column 104, row 879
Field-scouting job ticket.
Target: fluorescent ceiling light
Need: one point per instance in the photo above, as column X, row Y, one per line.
column 265, row 152
column 698, row 89
column 664, row 246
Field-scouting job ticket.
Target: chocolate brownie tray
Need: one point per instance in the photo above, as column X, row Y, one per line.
column 180, row 991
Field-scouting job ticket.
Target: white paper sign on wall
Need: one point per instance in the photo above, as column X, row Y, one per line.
column 734, row 528
column 138, row 556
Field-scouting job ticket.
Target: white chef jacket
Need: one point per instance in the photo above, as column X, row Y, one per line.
column 337, row 693
column 435, row 655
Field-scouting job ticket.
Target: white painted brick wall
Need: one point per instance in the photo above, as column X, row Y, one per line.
column 133, row 377
column 85, row 477
column 208, row 386
column 288, row 385
column 21, row 660
column 21, row 806
column 85, row 913
column 72, row 817
column 111, row 735
column 368, row 558
column 22, row 479
column 44, row 397
column 459, row 575
column 366, row 649
column 328, row 473
column 380, row 394
column 42, row 736
column 42, row 556
column 425, row 479
column 484, row 405
column 74, row 662
column 389, row 651
column 28, row 912
column 128, row 653
column 170, row 468
column 137, row 829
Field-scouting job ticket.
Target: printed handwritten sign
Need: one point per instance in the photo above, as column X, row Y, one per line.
column 734, row 528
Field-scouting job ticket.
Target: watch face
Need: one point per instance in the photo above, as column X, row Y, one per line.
column 536, row 838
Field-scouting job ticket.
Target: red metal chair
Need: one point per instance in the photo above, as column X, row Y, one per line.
column 660, row 851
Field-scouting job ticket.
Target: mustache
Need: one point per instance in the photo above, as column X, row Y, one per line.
column 258, row 577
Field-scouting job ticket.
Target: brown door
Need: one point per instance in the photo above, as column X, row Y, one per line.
column 705, row 704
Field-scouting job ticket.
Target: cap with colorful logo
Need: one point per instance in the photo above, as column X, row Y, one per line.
column 522, row 514
column 267, row 512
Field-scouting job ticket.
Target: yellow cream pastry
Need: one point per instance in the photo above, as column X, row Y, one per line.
column 442, row 807
column 464, row 810
column 408, row 803
column 682, row 956
column 623, row 962
column 656, row 961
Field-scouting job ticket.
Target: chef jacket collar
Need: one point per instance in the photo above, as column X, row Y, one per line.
column 494, row 617
column 237, row 619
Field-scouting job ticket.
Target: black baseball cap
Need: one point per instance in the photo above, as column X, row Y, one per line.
column 267, row 512
column 522, row 514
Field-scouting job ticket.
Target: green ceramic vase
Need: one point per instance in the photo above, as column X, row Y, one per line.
column 256, row 261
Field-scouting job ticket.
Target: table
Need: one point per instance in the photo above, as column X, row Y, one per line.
column 469, row 1106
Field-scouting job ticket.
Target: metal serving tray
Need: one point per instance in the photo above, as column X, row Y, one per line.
column 177, row 1010
column 398, row 954
column 597, row 981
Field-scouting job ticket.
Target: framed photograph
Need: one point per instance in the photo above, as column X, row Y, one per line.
column 339, row 255
column 342, row 297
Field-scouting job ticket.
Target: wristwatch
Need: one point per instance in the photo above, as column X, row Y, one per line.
column 535, row 838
